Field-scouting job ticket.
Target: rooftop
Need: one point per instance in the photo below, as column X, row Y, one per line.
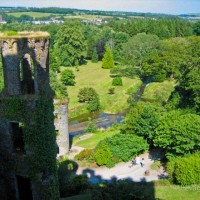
column 24, row 34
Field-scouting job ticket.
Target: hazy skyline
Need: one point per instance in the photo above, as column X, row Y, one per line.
column 154, row 6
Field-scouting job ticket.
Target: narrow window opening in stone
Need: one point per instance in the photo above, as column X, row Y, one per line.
column 24, row 188
column 26, row 75
column 17, row 135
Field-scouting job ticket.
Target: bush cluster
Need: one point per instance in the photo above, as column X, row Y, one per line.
column 91, row 127
column 67, row 77
column 85, row 154
column 186, row 170
column 117, row 81
column 90, row 96
column 120, row 147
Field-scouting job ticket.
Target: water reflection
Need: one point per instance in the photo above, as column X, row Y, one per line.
column 78, row 124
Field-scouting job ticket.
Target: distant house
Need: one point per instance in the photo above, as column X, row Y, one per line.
column 52, row 20
column 2, row 21
column 97, row 21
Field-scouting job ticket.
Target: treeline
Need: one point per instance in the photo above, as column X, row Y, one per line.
column 70, row 11
column 163, row 28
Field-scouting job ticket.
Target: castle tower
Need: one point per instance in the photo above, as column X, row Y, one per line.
column 28, row 147
column 61, row 125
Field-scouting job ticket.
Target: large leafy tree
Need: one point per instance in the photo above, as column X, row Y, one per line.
column 69, row 45
column 142, row 120
column 119, row 39
column 178, row 133
column 186, row 63
column 138, row 48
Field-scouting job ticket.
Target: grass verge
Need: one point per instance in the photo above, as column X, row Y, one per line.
column 91, row 142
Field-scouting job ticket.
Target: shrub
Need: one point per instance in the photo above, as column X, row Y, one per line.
column 66, row 169
column 111, row 91
column 187, row 170
column 76, row 184
column 117, row 81
column 67, row 77
column 93, row 105
column 91, row 127
column 95, row 56
column 84, row 154
column 125, row 146
column 103, row 155
column 86, row 94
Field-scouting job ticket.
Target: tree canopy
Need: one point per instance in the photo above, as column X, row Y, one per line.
column 70, row 45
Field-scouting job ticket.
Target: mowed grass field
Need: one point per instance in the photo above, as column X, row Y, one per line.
column 32, row 14
column 92, row 75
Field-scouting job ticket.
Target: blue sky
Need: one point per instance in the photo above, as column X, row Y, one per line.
column 156, row 6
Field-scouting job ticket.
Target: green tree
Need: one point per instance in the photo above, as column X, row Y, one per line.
column 94, row 104
column 124, row 147
column 142, row 120
column 117, row 81
column 87, row 94
column 91, row 127
column 90, row 96
column 67, row 77
column 57, row 86
column 178, row 133
column 196, row 28
column 185, row 170
column 108, row 62
column 54, row 63
column 94, row 56
column 119, row 39
column 138, row 48
column 102, row 154
column 70, row 44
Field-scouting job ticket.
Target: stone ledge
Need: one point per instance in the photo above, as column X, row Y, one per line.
column 24, row 34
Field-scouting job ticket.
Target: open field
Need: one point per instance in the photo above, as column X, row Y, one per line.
column 177, row 192
column 92, row 75
column 171, row 192
column 32, row 14
column 158, row 92
column 92, row 141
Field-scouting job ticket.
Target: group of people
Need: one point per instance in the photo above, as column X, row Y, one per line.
column 137, row 161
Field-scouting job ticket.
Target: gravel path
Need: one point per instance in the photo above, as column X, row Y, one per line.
column 121, row 171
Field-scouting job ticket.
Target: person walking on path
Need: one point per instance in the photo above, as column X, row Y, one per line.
column 137, row 160
column 142, row 162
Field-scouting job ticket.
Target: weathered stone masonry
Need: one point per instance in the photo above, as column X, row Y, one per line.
column 27, row 133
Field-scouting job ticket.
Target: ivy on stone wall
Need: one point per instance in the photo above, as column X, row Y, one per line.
column 39, row 135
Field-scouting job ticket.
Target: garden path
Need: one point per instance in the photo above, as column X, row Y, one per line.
column 121, row 171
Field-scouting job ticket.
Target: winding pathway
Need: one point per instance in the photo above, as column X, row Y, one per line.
column 120, row 171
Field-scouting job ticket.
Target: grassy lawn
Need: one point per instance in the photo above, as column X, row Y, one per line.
column 32, row 14
column 92, row 75
column 177, row 192
column 158, row 92
column 160, row 192
column 92, row 141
